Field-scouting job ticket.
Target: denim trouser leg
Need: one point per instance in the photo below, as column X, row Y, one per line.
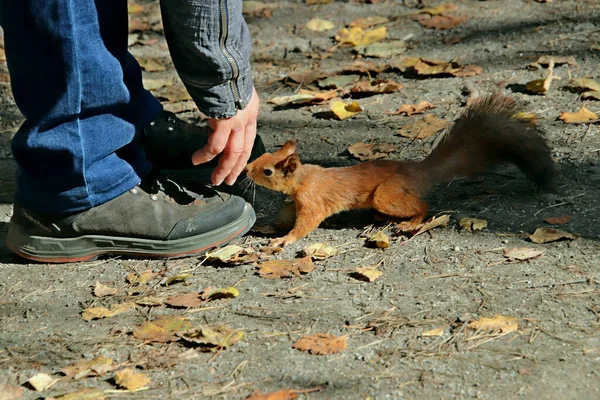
column 81, row 94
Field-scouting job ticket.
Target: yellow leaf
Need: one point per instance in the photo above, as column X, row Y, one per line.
column 472, row 224
column 319, row 251
column 546, row 235
column 367, row 274
column 130, row 380
column 319, row 25
column 379, row 240
column 177, row 279
column 41, row 381
column 583, row 115
column 356, row 36
column 103, row 312
column 584, row 85
column 162, row 329
column 224, row 254
column 437, row 332
column 84, row 368
column 369, row 21
column 342, row 110
column 141, row 279
column 212, row 293
column 498, row 324
column 441, row 9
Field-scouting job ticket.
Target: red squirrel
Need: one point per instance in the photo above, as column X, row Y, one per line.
column 484, row 135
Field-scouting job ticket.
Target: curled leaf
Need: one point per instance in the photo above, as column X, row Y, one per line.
column 212, row 337
column 379, row 240
column 546, row 235
column 366, row 274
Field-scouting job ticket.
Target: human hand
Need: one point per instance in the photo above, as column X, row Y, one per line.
column 234, row 138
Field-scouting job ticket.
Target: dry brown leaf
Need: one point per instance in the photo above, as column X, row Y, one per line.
column 423, row 128
column 214, row 293
column 101, row 290
column 472, row 224
column 103, row 312
column 541, row 86
column 581, row 116
column 369, row 21
column 343, row 111
column 591, row 95
column 440, row 22
column 131, row 380
column 8, row 392
column 319, row 25
column 434, row 222
column 276, row 269
column 559, row 220
column 150, row 301
column 141, row 279
column 224, row 254
column 212, row 337
column 162, row 329
column 285, row 394
column 584, row 85
column 338, row 81
column 356, row 36
column 383, row 49
column 304, row 97
column 270, row 250
column 376, row 87
column 172, row 280
column 96, row 367
column 319, row 251
column 546, row 235
column 321, row 343
column 543, row 61
column 410, row 109
column 306, row 75
column 437, row 332
column 83, row 394
column 379, row 240
column 366, row 274
column 190, row 299
column 363, row 67
column 370, row 151
column 41, row 381
column 441, row 9
column 429, row 67
column 496, row 324
column 522, row 253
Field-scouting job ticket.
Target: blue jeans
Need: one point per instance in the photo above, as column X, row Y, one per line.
column 82, row 96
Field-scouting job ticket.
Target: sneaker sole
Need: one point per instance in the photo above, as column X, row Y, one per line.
column 88, row 247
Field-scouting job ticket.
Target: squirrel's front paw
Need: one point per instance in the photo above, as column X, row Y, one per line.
column 282, row 241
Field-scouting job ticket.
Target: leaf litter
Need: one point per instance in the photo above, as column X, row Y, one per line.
column 321, row 344
column 371, row 151
column 547, row 235
column 278, row 269
column 103, row 312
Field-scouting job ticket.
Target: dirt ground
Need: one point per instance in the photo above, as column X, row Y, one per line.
column 444, row 278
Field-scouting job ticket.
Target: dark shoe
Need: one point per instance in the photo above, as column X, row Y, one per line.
column 157, row 219
column 170, row 142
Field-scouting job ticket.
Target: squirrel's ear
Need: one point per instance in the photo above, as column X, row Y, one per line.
column 289, row 164
column 289, row 147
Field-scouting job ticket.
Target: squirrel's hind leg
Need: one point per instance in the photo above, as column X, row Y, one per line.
column 393, row 201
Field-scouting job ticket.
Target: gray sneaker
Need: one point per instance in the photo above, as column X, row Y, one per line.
column 160, row 218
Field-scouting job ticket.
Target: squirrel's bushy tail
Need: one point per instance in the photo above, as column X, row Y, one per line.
column 486, row 134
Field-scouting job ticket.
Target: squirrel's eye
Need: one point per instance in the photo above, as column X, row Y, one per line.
column 268, row 172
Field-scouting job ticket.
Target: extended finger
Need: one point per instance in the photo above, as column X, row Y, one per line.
column 250, row 136
column 230, row 156
column 217, row 141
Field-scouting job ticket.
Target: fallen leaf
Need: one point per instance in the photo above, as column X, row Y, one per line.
column 584, row 85
column 472, row 224
column 313, row 2
column 162, row 329
column 213, row 293
column 343, row 111
column 212, row 337
column 101, row 290
column 338, row 81
column 276, row 269
column 321, row 343
column 83, row 394
column 369, row 151
column 383, row 49
column 546, row 235
column 522, row 253
column 525, row 116
column 8, row 392
column 434, row 222
column 306, row 75
column 369, row 21
column 496, row 324
column 141, row 279
column 379, row 240
column 410, row 109
column 177, row 279
column 583, row 115
column 151, row 65
column 224, row 254
column 423, row 128
column 319, row 25
column 304, row 97
column 190, row 299
column 41, row 381
column 81, row 369
column 437, row 332
column 376, row 87
column 591, row 95
column 563, row 219
column 541, row 86
column 428, row 67
column 270, row 250
column 441, row 9
column 319, row 251
column 156, row 83
column 285, row 394
column 103, row 312
column 356, row 36
column 440, row 22
column 364, row 67
column 150, row 301
column 543, row 61
column 130, row 380
column 366, row 274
